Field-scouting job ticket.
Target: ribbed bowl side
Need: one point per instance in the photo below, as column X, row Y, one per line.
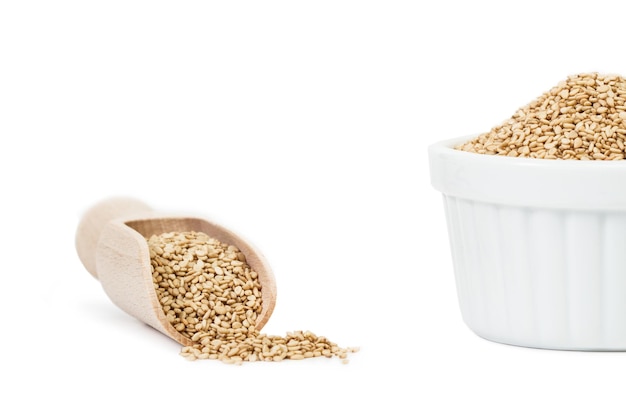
column 545, row 278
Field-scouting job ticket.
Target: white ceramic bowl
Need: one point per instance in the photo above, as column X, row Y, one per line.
column 538, row 247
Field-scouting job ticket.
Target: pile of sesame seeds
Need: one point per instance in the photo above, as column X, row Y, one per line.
column 581, row 118
column 211, row 295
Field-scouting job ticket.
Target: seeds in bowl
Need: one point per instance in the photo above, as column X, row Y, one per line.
column 581, row 118
column 210, row 294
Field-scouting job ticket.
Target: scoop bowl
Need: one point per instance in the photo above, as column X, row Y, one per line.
column 111, row 244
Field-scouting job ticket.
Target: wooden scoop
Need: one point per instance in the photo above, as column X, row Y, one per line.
column 111, row 243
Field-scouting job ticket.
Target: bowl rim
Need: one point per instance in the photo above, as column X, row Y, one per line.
column 522, row 181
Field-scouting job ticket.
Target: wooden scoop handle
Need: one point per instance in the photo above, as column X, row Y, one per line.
column 96, row 218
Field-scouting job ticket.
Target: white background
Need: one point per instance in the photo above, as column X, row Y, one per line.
column 304, row 126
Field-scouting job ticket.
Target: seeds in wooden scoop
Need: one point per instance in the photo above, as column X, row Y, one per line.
column 211, row 295
column 581, row 118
